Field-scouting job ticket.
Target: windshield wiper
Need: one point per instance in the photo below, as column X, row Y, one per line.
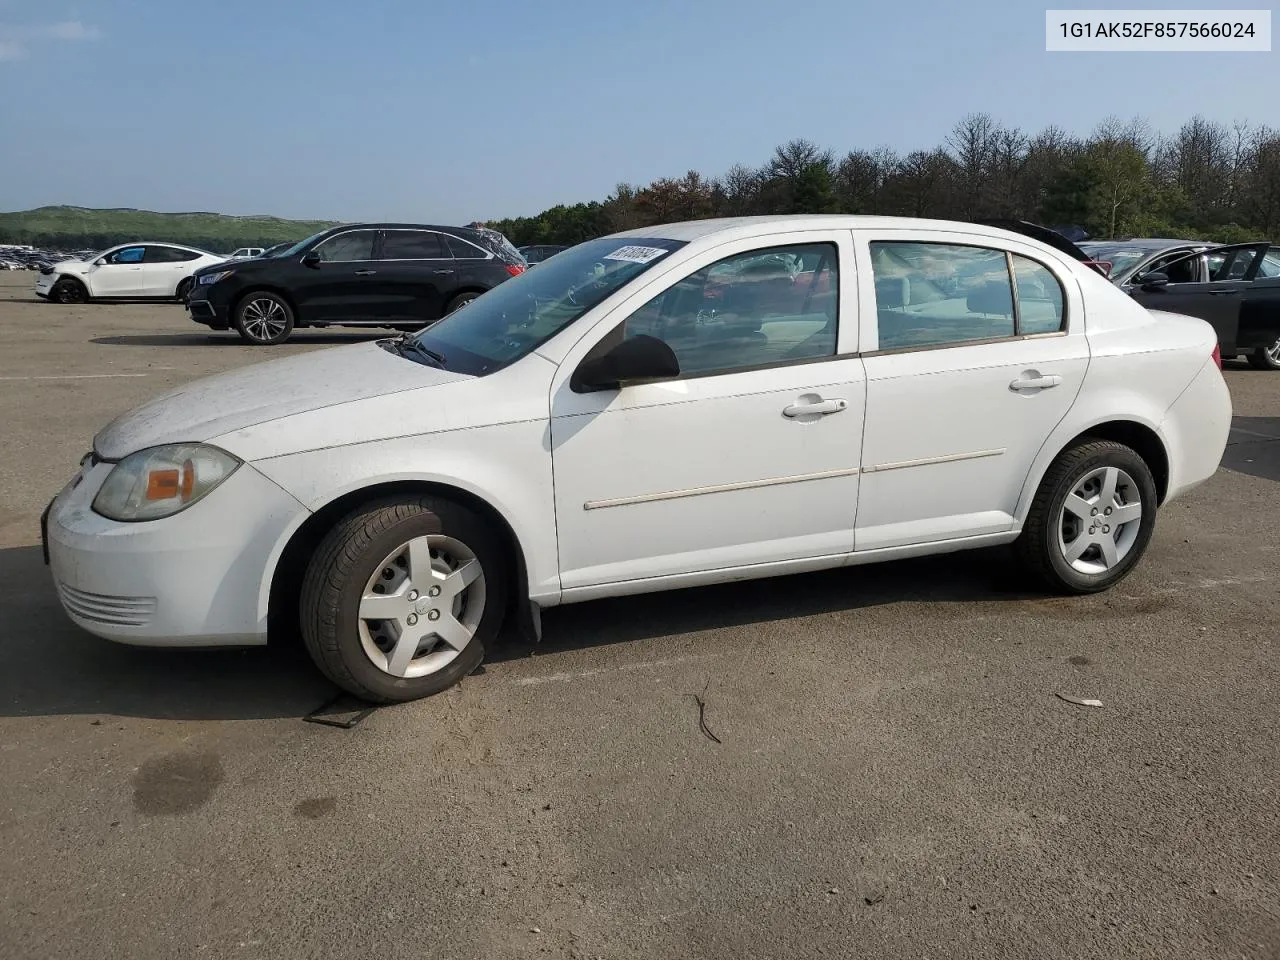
column 405, row 344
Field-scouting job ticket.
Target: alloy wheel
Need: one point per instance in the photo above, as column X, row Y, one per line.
column 422, row 606
column 1100, row 520
column 264, row 318
column 1273, row 352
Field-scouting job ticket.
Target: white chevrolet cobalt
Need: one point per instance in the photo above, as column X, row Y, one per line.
column 132, row 271
column 676, row 405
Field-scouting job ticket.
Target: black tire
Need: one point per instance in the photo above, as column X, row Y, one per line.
column 69, row 290
column 352, row 553
column 461, row 300
column 263, row 318
column 183, row 291
column 1260, row 359
column 1040, row 546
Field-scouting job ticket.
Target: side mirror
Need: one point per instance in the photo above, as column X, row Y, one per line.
column 100, row 262
column 1155, row 280
column 638, row 358
column 312, row 259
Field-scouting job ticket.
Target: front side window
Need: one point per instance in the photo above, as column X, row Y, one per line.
column 937, row 294
column 1178, row 267
column 412, row 245
column 347, row 247
column 520, row 314
column 127, row 255
column 750, row 310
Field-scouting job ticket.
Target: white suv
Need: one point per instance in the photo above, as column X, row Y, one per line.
column 142, row 271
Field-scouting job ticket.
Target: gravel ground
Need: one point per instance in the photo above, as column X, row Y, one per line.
column 894, row 775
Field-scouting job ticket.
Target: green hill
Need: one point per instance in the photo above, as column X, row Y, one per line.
column 75, row 228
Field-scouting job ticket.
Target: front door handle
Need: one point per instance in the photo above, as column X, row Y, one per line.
column 365, row 273
column 816, row 408
column 1035, row 382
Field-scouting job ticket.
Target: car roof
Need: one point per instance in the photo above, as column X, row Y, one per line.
column 745, row 227
column 403, row 226
column 1153, row 242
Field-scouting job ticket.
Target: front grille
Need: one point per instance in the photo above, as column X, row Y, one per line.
column 100, row 608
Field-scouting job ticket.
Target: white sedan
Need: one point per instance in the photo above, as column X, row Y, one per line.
column 132, row 271
column 672, row 406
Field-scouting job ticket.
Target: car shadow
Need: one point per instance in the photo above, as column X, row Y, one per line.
column 989, row 574
column 232, row 339
column 50, row 667
column 1253, row 447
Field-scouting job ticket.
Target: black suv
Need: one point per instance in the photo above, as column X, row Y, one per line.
column 398, row 275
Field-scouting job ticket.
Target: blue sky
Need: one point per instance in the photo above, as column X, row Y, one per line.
column 454, row 111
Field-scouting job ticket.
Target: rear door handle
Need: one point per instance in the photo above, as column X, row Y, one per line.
column 442, row 271
column 365, row 273
column 1036, row 383
column 819, row 408
column 1223, row 293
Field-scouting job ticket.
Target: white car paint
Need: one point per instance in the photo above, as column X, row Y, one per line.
column 657, row 485
column 149, row 278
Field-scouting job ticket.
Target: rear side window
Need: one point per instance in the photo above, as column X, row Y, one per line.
column 412, row 245
column 936, row 294
column 462, row 250
column 168, row 255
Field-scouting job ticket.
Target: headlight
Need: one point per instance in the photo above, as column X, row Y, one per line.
column 209, row 278
column 161, row 481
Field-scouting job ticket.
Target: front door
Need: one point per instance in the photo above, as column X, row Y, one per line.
column 750, row 455
column 121, row 275
column 978, row 355
column 341, row 286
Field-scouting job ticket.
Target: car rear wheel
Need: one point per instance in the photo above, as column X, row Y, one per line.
column 264, row 319
column 69, row 291
column 461, row 300
column 1092, row 518
column 184, row 290
column 402, row 597
column 1266, row 358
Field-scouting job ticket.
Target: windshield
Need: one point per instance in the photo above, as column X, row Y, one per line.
column 517, row 316
column 1120, row 256
column 301, row 244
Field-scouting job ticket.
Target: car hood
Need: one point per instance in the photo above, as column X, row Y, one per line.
column 221, row 404
column 71, row 266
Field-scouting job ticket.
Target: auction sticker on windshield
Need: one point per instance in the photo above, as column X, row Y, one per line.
column 636, row 254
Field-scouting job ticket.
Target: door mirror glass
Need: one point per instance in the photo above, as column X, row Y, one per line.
column 312, row 259
column 1155, row 280
column 637, row 358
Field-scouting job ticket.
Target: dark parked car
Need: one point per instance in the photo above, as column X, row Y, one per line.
column 538, row 252
column 1235, row 288
column 1127, row 259
column 404, row 276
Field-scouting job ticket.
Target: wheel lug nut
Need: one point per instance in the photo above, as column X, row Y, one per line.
column 433, row 615
column 413, row 594
column 1108, row 511
column 411, row 619
column 1106, row 529
column 1094, row 513
column 433, row 592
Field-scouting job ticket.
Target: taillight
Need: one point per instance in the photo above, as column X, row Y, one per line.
column 515, row 269
column 1217, row 355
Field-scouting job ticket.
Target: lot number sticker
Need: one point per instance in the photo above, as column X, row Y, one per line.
column 636, row 254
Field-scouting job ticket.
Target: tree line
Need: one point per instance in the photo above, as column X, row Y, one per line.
column 1209, row 181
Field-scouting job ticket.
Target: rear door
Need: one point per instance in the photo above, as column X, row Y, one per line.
column 976, row 353
column 341, row 287
column 163, row 268
column 413, row 266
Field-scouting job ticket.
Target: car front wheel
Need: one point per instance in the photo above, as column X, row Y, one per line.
column 1091, row 519
column 401, row 598
column 69, row 291
column 1266, row 358
column 264, row 319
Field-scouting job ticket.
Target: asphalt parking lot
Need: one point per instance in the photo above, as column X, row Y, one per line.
column 892, row 773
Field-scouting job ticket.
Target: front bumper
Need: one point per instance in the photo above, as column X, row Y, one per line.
column 44, row 284
column 192, row 579
column 202, row 310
